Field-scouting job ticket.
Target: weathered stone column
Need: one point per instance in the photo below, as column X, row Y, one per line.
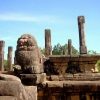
column 9, row 65
column 69, row 47
column 48, row 47
column 83, row 48
column 64, row 52
column 2, row 44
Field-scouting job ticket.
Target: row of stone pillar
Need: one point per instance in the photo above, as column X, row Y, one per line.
column 48, row 47
column 82, row 48
column 9, row 56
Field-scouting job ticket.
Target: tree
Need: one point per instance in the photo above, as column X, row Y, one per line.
column 58, row 49
column 91, row 52
column 5, row 63
column 43, row 51
column 74, row 51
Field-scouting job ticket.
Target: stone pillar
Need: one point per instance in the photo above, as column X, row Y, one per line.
column 83, row 48
column 69, row 47
column 64, row 52
column 2, row 44
column 48, row 47
column 9, row 65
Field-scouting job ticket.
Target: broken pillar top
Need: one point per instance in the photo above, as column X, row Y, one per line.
column 81, row 19
column 10, row 48
column 48, row 31
column 2, row 43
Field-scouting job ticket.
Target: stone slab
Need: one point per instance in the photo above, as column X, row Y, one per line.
column 8, row 98
column 54, row 77
column 75, row 77
column 67, row 58
column 59, row 58
column 15, row 88
column 74, row 86
column 32, row 90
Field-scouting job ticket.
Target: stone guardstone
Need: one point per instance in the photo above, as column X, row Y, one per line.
column 33, row 79
column 8, row 98
column 31, row 90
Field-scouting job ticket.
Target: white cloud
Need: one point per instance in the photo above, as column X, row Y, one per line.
column 29, row 18
column 7, row 38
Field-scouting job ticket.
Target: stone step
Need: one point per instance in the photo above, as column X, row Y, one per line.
column 75, row 77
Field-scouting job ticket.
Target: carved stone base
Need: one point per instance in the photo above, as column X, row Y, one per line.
column 33, row 79
column 83, row 50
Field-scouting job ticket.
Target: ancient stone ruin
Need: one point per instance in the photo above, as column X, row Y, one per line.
column 53, row 77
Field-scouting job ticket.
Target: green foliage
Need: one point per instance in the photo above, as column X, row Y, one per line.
column 5, row 63
column 43, row 51
column 91, row 52
column 58, row 49
column 74, row 51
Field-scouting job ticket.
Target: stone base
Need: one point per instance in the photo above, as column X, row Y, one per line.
column 83, row 50
column 33, row 79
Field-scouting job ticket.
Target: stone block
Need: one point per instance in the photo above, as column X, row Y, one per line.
column 60, row 68
column 54, row 78
column 74, row 58
column 16, row 89
column 65, row 77
column 59, row 58
column 89, row 67
column 33, row 79
column 9, row 78
column 81, row 19
column 31, row 90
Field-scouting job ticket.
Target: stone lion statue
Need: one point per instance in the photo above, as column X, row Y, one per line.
column 28, row 55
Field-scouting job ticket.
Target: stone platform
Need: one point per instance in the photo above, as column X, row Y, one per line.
column 74, row 63
column 70, row 90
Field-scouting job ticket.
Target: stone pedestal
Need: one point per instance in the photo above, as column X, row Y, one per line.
column 9, row 65
column 33, row 79
column 48, row 47
column 83, row 48
column 2, row 44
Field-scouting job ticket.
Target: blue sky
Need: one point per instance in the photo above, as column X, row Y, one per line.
column 34, row 16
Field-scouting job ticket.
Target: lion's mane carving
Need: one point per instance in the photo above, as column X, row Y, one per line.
column 28, row 54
